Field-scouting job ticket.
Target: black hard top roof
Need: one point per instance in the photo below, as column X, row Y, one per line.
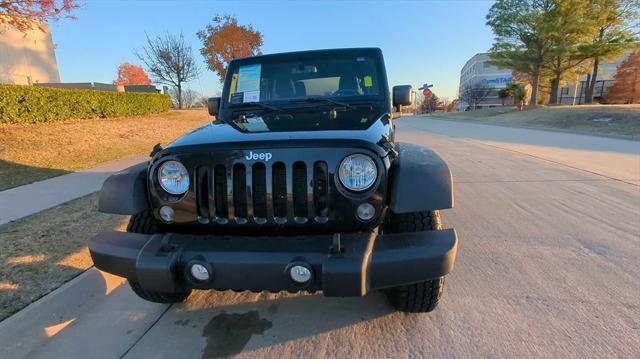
column 315, row 53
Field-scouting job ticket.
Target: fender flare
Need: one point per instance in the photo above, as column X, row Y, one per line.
column 125, row 192
column 420, row 181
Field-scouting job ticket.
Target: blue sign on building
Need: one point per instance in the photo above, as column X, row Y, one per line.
column 497, row 80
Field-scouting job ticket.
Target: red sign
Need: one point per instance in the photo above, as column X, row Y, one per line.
column 427, row 93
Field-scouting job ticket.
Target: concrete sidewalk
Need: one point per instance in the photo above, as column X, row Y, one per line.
column 93, row 313
column 23, row 201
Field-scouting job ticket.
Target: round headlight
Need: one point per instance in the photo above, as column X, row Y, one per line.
column 358, row 172
column 173, row 177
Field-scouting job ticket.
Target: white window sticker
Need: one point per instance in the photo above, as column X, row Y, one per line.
column 251, row 96
column 249, row 79
column 256, row 124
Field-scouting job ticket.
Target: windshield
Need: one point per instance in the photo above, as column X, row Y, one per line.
column 341, row 77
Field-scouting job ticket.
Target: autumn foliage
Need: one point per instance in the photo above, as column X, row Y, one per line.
column 129, row 74
column 225, row 40
column 626, row 81
column 25, row 15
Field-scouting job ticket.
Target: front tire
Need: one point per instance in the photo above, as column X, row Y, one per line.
column 158, row 297
column 419, row 297
column 145, row 223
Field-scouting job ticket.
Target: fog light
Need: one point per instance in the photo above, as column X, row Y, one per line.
column 199, row 272
column 365, row 211
column 300, row 274
column 167, row 214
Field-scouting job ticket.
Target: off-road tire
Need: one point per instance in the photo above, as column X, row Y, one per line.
column 412, row 222
column 158, row 297
column 145, row 223
column 419, row 297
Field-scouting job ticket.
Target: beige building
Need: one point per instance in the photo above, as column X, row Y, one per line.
column 29, row 58
column 573, row 92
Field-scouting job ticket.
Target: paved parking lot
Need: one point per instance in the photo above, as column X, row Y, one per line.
column 549, row 227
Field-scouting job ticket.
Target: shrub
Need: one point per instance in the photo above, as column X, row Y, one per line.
column 29, row 104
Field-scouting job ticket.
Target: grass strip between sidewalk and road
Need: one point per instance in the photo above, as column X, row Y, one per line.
column 608, row 120
column 41, row 252
column 34, row 152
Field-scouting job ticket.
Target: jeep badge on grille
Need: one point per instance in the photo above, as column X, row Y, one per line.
column 265, row 156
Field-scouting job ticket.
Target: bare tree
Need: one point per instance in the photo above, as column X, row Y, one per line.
column 475, row 94
column 170, row 61
column 190, row 97
column 444, row 103
column 453, row 106
column 202, row 102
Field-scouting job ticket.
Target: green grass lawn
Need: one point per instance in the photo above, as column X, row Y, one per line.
column 617, row 120
column 34, row 152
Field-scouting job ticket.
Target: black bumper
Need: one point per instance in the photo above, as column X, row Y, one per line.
column 366, row 261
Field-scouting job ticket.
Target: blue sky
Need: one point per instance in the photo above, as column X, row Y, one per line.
column 423, row 41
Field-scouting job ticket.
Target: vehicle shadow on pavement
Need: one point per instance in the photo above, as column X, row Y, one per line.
column 220, row 324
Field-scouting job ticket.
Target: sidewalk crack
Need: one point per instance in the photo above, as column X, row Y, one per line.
column 146, row 331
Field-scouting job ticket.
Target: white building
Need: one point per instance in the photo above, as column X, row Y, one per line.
column 27, row 59
column 478, row 71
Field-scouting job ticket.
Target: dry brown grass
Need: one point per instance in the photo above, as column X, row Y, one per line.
column 618, row 120
column 41, row 252
column 30, row 153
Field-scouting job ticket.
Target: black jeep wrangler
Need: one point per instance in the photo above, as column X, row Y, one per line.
column 298, row 185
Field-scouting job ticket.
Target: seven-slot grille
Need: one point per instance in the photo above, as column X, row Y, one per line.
column 261, row 192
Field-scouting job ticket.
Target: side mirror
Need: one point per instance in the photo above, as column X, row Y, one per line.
column 213, row 105
column 402, row 96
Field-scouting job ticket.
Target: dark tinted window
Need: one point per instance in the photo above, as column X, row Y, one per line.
column 339, row 77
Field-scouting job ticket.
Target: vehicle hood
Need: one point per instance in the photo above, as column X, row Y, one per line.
column 221, row 134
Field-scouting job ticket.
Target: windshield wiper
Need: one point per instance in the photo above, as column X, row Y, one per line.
column 256, row 104
column 322, row 99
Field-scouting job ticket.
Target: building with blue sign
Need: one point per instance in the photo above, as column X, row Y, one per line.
column 479, row 72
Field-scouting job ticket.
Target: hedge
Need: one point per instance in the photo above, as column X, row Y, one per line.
column 30, row 104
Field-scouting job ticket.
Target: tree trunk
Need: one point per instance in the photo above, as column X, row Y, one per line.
column 534, row 86
column 180, row 96
column 634, row 85
column 555, row 86
column 591, row 82
column 587, row 94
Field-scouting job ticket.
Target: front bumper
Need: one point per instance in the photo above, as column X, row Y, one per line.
column 365, row 261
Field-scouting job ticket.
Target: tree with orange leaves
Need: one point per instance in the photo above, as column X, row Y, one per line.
column 225, row 40
column 626, row 81
column 130, row 74
column 25, row 15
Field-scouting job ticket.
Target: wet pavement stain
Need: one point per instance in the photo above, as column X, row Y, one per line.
column 228, row 334
column 183, row 322
column 272, row 309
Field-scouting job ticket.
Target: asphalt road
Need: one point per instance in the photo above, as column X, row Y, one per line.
column 548, row 266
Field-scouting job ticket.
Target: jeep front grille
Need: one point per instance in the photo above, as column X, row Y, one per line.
column 261, row 192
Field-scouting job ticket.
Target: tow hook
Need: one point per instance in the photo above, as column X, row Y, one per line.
column 336, row 249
